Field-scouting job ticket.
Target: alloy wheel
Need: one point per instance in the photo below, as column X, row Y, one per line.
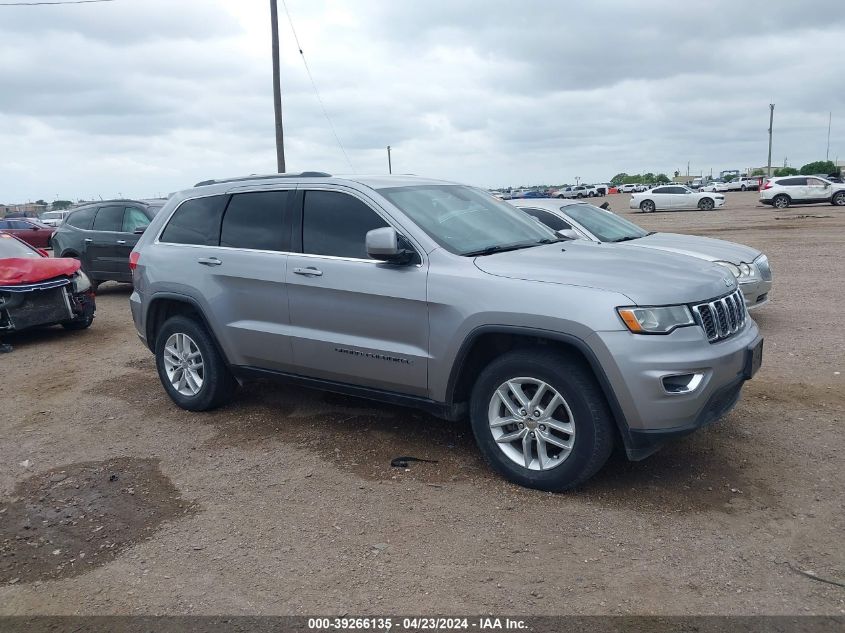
column 531, row 423
column 183, row 364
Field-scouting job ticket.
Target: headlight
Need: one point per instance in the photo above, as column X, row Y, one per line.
column 744, row 272
column 731, row 267
column 81, row 283
column 660, row 320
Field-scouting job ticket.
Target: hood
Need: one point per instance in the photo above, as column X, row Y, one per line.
column 30, row 270
column 646, row 276
column 702, row 247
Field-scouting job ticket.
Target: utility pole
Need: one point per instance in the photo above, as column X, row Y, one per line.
column 771, row 120
column 389, row 164
column 829, row 119
column 277, row 88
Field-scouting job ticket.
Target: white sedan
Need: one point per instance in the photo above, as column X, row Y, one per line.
column 675, row 197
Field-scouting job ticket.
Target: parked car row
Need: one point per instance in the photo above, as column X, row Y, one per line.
column 439, row 296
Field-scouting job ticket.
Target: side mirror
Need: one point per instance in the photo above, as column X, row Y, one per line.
column 568, row 234
column 35, row 227
column 139, row 230
column 384, row 245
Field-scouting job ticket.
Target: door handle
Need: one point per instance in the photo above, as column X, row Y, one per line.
column 87, row 240
column 308, row 272
column 121, row 241
column 209, row 261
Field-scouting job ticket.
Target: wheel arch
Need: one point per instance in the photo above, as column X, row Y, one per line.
column 485, row 343
column 644, row 200
column 165, row 305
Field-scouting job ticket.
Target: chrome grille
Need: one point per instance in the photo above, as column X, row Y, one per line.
column 721, row 318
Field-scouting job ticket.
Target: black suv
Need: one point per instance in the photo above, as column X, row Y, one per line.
column 102, row 234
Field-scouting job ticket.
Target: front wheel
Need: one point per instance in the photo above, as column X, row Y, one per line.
column 839, row 199
column 706, row 204
column 541, row 420
column 743, row 188
column 647, row 206
column 190, row 367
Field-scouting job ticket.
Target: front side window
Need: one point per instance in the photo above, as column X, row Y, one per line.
column 255, row 220
column 81, row 219
column 109, row 219
column 134, row 219
column 196, row 222
column 465, row 220
column 336, row 224
column 549, row 219
column 816, row 182
column 606, row 226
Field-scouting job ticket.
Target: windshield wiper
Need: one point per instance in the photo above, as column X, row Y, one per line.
column 502, row 248
column 627, row 238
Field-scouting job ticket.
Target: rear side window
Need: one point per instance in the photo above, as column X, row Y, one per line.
column 336, row 224
column 549, row 219
column 793, row 182
column 196, row 221
column 109, row 219
column 255, row 220
column 82, row 218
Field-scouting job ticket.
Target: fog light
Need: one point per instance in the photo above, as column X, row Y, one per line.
column 682, row 383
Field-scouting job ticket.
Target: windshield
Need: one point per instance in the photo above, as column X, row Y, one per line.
column 465, row 220
column 606, row 226
column 10, row 247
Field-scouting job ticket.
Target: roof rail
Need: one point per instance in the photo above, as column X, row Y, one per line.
column 304, row 174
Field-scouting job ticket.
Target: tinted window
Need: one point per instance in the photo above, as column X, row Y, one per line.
column 815, row 182
column 664, row 190
column 255, row 220
column 133, row 219
column 5, row 224
column 81, row 219
column 336, row 224
column 549, row 219
column 196, row 222
column 19, row 224
column 792, row 182
column 109, row 219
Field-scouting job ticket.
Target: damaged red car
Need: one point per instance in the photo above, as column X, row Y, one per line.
column 36, row 289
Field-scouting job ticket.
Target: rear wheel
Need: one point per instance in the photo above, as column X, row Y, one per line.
column 743, row 188
column 839, row 199
column 541, row 420
column 706, row 204
column 190, row 367
column 647, row 206
column 780, row 202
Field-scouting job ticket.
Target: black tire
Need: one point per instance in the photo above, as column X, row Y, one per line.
column 838, row 199
column 706, row 204
column 218, row 384
column 781, row 201
column 82, row 323
column 575, row 382
column 579, row 195
column 647, row 206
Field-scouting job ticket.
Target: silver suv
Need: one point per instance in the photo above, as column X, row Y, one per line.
column 437, row 295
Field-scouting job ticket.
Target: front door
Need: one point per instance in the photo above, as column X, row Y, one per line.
column 354, row 319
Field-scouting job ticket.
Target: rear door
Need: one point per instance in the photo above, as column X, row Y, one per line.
column 101, row 243
column 354, row 319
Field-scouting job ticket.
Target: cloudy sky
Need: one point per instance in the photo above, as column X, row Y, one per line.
column 145, row 97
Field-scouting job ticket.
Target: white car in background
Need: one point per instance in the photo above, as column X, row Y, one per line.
column 52, row 218
column 787, row 190
column 577, row 219
column 675, row 197
column 630, row 188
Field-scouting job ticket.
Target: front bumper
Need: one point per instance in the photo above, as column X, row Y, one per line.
column 636, row 364
column 756, row 293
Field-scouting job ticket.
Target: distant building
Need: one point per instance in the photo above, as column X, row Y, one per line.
column 29, row 209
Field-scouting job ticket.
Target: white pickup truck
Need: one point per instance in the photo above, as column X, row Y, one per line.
column 741, row 183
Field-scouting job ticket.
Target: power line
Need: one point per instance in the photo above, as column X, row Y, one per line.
column 314, row 85
column 40, row 4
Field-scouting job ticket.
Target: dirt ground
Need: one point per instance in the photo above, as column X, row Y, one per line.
column 284, row 502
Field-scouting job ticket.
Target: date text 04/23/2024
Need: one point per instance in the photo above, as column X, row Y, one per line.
column 416, row 624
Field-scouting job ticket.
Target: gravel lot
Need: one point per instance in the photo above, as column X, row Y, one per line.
column 284, row 502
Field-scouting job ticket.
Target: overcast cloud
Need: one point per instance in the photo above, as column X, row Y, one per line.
column 144, row 97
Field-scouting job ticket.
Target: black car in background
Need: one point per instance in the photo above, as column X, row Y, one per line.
column 102, row 234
